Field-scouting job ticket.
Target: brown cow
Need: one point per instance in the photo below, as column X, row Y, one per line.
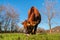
column 33, row 20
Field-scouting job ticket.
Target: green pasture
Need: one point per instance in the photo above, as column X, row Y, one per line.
column 21, row 36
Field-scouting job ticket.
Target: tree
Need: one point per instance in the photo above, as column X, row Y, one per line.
column 50, row 11
column 14, row 20
column 1, row 17
column 10, row 18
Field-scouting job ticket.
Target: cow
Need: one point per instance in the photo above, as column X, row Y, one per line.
column 34, row 18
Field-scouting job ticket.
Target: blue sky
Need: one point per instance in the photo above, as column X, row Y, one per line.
column 22, row 7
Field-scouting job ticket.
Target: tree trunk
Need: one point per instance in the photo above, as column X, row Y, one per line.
column 50, row 26
column 0, row 26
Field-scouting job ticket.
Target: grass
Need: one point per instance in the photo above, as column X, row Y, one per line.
column 21, row 36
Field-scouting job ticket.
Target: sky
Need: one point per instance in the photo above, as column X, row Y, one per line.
column 22, row 7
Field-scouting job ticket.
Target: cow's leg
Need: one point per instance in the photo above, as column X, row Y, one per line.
column 31, row 30
column 26, row 30
column 35, row 29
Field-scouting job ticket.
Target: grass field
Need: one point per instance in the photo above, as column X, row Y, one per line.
column 21, row 36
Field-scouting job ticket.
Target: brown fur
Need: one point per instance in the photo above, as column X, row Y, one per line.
column 33, row 20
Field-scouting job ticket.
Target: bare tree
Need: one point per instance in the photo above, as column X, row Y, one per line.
column 11, row 18
column 1, row 17
column 15, row 19
column 50, row 11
